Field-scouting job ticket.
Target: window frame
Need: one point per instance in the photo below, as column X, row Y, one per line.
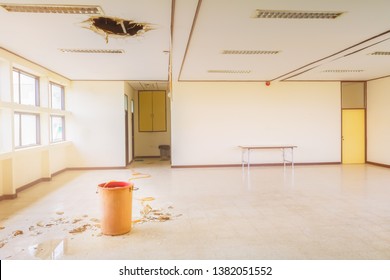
column 37, row 93
column 63, row 128
column 51, row 84
column 37, row 132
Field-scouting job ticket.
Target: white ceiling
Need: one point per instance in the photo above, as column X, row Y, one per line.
column 201, row 29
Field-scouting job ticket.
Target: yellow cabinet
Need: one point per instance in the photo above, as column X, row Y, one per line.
column 152, row 111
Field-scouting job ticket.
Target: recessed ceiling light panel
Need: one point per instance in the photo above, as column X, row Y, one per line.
column 53, row 9
column 104, row 51
column 264, row 52
column 280, row 14
column 342, row 71
column 229, row 71
column 380, row 53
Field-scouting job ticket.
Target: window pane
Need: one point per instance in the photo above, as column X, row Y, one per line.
column 17, row 130
column 57, row 97
column 29, row 129
column 353, row 95
column 57, row 128
column 27, row 90
column 16, row 86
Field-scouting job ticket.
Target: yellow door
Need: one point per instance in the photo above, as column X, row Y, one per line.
column 353, row 136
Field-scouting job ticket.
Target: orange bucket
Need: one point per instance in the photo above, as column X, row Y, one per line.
column 116, row 199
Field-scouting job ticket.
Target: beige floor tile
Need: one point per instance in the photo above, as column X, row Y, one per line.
column 318, row 212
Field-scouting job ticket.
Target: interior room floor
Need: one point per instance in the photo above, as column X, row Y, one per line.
column 317, row 212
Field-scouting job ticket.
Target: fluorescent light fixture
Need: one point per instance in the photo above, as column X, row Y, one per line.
column 249, row 52
column 230, row 71
column 280, row 14
column 53, row 9
column 380, row 53
column 342, row 71
column 104, row 51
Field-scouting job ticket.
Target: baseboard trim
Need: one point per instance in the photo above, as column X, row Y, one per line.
column 141, row 157
column 58, row 172
column 378, row 164
column 95, row 168
column 253, row 164
column 29, row 185
column 8, row 196
column 47, row 179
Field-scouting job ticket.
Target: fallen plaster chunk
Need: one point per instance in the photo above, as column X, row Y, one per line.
column 17, row 232
column 80, row 229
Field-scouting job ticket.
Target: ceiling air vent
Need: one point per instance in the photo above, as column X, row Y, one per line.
column 249, row 52
column 343, row 71
column 296, row 14
column 380, row 53
column 90, row 51
column 230, row 71
column 53, row 9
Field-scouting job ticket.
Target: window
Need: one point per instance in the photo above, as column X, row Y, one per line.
column 57, row 128
column 353, row 95
column 26, row 129
column 57, row 96
column 26, row 88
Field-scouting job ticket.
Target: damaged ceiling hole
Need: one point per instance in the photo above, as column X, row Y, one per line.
column 117, row 26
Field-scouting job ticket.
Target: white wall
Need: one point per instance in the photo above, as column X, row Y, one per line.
column 96, row 124
column 378, row 119
column 209, row 121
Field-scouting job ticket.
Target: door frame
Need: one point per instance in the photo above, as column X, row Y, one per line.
column 364, row 107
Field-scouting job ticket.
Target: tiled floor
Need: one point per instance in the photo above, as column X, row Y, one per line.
column 319, row 212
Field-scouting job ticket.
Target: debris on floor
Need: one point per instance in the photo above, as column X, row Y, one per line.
column 17, row 232
column 138, row 175
column 80, row 229
column 94, row 220
column 149, row 214
column 72, row 225
column 1, row 227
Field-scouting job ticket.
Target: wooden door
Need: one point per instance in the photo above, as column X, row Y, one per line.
column 353, row 136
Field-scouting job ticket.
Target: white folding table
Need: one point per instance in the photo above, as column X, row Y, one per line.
column 246, row 150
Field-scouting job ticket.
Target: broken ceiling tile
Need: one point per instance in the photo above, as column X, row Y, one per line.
column 112, row 26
